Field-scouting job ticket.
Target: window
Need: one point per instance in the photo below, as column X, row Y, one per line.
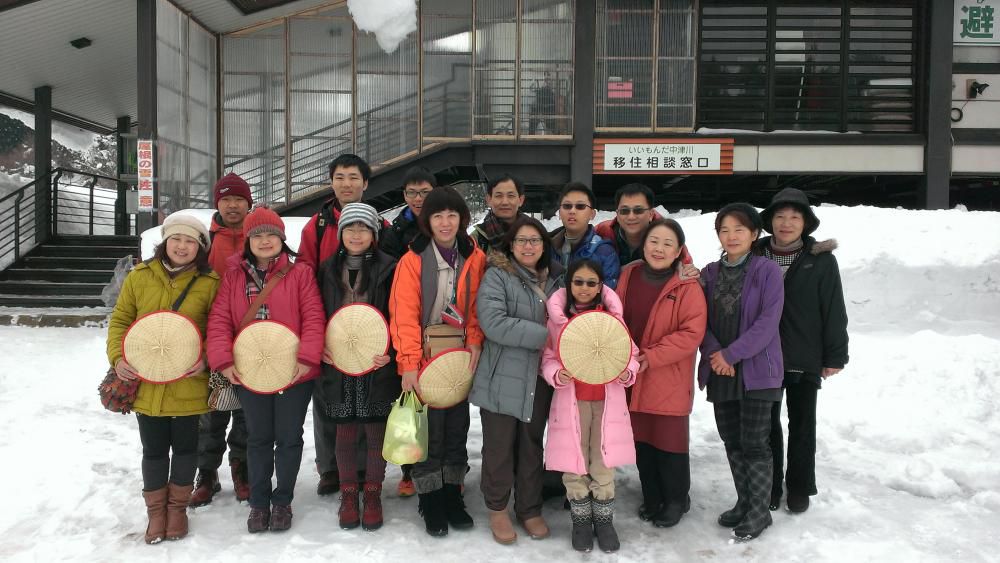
column 843, row 65
column 645, row 64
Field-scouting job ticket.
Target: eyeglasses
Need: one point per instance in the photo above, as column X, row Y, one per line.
column 579, row 206
column 413, row 194
column 626, row 211
column 519, row 241
column 589, row 283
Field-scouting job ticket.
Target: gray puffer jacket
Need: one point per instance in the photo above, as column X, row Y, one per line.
column 512, row 317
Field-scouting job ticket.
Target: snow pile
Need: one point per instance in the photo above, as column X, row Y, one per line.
column 390, row 20
column 906, row 458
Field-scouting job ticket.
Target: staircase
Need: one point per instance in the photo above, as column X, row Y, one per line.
column 67, row 271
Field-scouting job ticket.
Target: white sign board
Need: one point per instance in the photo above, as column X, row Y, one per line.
column 648, row 157
column 974, row 22
column 144, row 159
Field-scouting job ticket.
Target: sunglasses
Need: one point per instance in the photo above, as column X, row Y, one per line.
column 626, row 211
column 578, row 206
column 588, row 283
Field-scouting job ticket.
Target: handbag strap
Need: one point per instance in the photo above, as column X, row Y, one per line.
column 180, row 300
column 259, row 300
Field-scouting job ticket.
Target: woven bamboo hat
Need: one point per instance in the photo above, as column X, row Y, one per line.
column 266, row 354
column 162, row 346
column 595, row 347
column 445, row 380
column 355, row 334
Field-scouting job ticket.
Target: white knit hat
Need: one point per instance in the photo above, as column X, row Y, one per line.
column 358, row 213
column 181, row 224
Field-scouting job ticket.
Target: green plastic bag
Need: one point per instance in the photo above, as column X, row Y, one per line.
column 406, row 431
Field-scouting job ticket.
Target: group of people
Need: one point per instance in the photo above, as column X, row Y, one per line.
column 767, row 316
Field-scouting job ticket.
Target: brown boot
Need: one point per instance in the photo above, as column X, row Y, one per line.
column 502, row 527
column 240, row 484
column 156, row 512
column 536, row 527
column 177, row 503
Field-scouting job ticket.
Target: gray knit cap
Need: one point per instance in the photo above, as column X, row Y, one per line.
column 358, row 213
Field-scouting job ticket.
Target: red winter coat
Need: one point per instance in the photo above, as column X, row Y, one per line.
column 294, row 302
column 226, row 241
column 675, row 329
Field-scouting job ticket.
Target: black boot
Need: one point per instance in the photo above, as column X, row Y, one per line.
column 649, row 480
column 433, row 511
column 798, row 503
column 454, row 507
column 732, row 517
column 581, row 511
column 758, row 487
column 604, row 525
column 672, row 512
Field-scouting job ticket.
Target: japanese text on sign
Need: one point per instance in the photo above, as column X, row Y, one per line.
column 974, row 22
column 662, row 157
column 144, row 154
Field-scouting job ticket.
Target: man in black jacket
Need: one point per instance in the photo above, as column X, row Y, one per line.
column 504, row 196
column 813, row 336
column 395, row 240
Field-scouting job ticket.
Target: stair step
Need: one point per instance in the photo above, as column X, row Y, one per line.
column 102, row 251
column 57, row 275
column 87, row 263
column 58, row 301
column 97, row 240
column 51, row 288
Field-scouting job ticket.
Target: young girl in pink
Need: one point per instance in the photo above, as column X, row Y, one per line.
column 589, row 431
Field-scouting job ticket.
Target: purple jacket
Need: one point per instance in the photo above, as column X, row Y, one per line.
column 758, row 346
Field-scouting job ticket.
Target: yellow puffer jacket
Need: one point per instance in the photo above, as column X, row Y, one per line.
column 148, row 288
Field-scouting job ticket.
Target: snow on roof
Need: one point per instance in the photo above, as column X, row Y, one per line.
column 390, row 20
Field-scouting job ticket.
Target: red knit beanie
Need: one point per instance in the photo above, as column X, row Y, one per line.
column 263, row 220
column 231, row 184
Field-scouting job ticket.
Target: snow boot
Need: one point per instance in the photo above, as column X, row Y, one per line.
column 178, row 498
column 329, row 483
column 349, row 517
column 156, row 514
column 798, row 503
column 536, row 527
column 207, row 486
column 240, row 485
column 454, row 505
column 672, row 512
column 502, row 528
column 732, row 517
column 281, row 518
column 581, row 512
column 259, row 520
column 371, row 520
column 432, row 509
column 604, row 525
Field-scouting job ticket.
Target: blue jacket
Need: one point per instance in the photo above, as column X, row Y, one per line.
column 593, row 247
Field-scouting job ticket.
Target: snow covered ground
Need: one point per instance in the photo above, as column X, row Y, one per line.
column 907, row 457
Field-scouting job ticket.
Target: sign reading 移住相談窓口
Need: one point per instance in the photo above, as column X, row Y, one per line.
column 144, row 165
column 663, row 156
column 974, row 22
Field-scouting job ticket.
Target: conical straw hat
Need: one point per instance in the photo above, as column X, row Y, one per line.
column 161, row 346
column 445, row 380
column 266, row 354
column 594, row 347
column 355, row 334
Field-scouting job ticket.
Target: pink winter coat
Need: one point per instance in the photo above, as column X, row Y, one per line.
column 563, row 450
column 294, row 302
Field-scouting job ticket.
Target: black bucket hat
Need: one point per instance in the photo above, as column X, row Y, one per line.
column 794, row 198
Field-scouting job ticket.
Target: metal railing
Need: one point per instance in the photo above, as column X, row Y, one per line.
column 82, row 203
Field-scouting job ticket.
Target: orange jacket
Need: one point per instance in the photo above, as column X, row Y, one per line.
column 226, row 241
column 409, row 296
column 673, row 333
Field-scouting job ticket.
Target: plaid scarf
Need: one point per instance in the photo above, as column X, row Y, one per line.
column 255, row 284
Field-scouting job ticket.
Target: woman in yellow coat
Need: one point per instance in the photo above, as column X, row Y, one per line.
column 168, row 413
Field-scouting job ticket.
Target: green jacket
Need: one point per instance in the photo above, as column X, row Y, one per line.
column 148, row 288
